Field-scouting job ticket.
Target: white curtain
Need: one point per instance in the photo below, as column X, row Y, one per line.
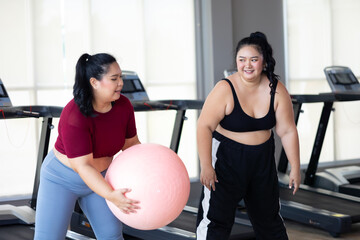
column 41, row 41
column 322, row 33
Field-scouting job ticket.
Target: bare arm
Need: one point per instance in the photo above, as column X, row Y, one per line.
column 211, row 114
column 96, row 182
column 286, row 130
column 131, row 142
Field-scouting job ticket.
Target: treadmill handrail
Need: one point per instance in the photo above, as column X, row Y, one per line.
column 328, row 99
column 36, row 111
column 158, row 105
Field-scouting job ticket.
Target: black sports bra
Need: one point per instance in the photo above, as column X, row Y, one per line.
column 239, row 121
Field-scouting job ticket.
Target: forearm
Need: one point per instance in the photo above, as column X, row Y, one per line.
column 204, row 144
column 207, row 174
column 95, row 181
column 290, row 142
column 129, row 142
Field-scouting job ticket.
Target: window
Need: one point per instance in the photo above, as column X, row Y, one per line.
column 155, row 38
column 319, row 34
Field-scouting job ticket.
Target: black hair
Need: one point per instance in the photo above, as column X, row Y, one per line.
column 259, row 41
column 89, row 66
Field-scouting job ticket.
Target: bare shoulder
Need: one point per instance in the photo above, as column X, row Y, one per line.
column 281, row 88
column 281, row 91
column 219, row 101
column 222, row 85
column 282, row 96
column 221, row 88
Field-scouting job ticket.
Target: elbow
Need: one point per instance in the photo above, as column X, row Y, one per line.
column 80, row 163
column 286, row 132
column 204, row 130
column 206, row 126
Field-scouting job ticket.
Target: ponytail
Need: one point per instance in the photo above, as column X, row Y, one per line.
column 89, row 66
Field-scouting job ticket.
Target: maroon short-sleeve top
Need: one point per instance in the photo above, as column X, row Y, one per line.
column 102, row 134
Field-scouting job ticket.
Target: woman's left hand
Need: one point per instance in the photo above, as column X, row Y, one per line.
column 295, row 180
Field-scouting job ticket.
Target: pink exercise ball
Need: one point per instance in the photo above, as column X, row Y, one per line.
column 157, row 178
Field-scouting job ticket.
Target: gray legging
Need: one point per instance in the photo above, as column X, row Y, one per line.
column 60, row 188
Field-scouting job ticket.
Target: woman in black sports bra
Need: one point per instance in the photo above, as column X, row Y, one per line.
column 236, row 145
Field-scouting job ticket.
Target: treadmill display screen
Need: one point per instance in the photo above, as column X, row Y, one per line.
column 132, row 85
column 2, row 91
column 128, row 87
column 344, row 78
column 4, row 97
column 138, row 85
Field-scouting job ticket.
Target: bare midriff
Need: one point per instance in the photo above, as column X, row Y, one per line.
column 99, row 164
column 248, row 138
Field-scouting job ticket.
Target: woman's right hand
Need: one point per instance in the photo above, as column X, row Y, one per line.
column 126, row 205
column 208, row 177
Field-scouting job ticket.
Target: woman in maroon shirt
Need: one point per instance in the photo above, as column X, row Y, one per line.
column 96, row 124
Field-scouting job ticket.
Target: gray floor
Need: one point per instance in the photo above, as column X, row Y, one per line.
column 298, row 231
column 295, row 232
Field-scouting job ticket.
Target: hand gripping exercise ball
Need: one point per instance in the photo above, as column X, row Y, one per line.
column 157, row 178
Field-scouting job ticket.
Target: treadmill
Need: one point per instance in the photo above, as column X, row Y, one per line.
column 342, row 80
column 17, row 217
column 184, row 226
column 328, row 210
column 340, row 179
column 4, row 97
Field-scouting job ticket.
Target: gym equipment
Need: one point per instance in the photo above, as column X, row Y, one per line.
column 321, row 208
column 133, row 88
column 228, row 72
column 23, row 211
column 4, row 97
column 342, row 79
column 157, row 178
column 183, row 227
column 11, row 214
column 339, row 179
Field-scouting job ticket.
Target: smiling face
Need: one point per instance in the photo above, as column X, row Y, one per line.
column 108, row 88
column 250, row 63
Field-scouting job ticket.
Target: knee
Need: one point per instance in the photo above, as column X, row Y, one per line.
column 109, row 235
column 109, row 231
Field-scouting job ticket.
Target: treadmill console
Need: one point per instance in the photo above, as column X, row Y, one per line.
column 341, row 79
column 4, row 97
column 133, row 88
column 228, row 72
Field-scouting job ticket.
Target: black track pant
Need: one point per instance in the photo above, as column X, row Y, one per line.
column 244, row 172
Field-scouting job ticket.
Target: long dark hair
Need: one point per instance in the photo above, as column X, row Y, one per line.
column 89, row 66
column 259, row 41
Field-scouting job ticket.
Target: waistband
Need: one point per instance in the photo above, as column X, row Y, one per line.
column 54, row 170
column 231, row 143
